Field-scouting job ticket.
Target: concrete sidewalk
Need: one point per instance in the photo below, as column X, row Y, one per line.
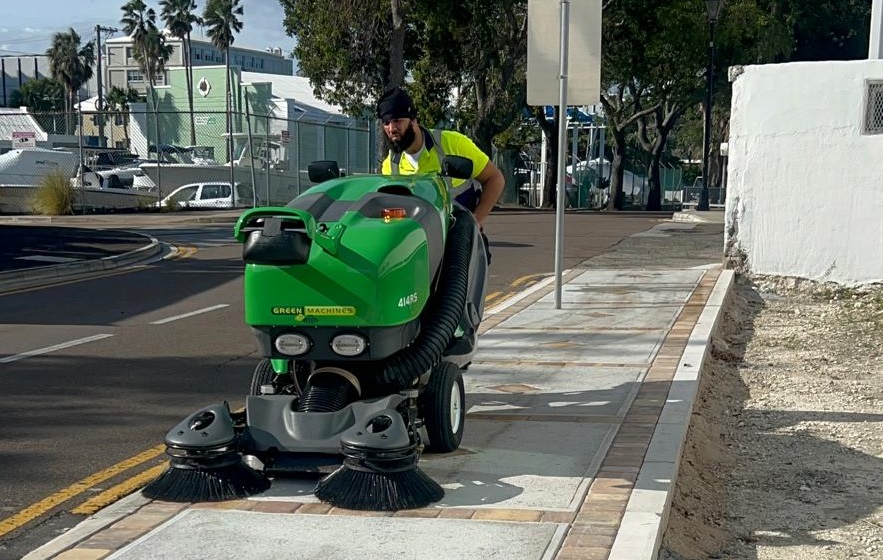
column 575, row 427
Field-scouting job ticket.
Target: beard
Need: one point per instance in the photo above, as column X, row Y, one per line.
column 405, row 141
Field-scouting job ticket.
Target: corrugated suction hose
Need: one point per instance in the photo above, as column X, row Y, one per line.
column 445, row 308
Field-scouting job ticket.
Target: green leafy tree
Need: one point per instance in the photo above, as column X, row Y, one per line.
column 351, row 50
column 653, row 69
column 179, row 18
column 39, row 95
column 70, row 63
column 822, row 29
column 480, row 46
column 222, row 19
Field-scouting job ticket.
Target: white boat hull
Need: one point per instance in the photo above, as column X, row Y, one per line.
column 20, row 199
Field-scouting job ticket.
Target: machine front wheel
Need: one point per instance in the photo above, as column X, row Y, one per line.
column 263, row 375
column 443, row 407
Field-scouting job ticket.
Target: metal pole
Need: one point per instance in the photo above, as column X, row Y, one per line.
column 544, row 145
column 254, row 181
column 267, row 141
column 158, row 148
column 574, row 156
column 296, row 152
column 230, row 143
column 80, row 142
column 562, row 139
column 98, row 102
column 706, row 141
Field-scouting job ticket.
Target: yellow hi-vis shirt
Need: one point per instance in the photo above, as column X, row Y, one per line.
column 452, row 144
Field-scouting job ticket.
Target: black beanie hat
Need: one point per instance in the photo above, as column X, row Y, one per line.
column 395, row 104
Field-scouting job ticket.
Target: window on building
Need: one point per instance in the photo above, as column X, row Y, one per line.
column 134, row 76
column 197, row 54
column 129, row 53
column 874, row 107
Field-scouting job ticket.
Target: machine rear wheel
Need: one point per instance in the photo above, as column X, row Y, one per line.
column 263, row 375
column 443, row 407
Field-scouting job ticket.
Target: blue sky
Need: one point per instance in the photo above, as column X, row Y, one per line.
column 27, row 27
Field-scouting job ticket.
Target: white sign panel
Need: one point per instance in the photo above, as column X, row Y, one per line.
column 583, row 57
column 24, row 139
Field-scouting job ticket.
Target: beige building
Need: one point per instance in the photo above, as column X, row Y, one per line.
column 121, row 68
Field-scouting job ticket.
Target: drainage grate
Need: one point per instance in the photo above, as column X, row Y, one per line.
column 874, row 107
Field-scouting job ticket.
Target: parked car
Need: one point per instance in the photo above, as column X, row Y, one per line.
column 210, row 194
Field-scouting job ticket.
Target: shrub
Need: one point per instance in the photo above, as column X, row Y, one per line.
column 55, row 195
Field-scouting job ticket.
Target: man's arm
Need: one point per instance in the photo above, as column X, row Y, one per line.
column 492, row 183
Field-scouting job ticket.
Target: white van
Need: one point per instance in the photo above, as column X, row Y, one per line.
column 210, row 195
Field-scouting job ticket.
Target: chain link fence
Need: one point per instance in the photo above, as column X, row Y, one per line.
column 158, row 152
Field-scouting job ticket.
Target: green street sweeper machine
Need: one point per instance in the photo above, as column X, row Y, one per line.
column 365, row 294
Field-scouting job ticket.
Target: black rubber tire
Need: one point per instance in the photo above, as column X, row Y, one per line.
column 264, row 374
column 436, row 404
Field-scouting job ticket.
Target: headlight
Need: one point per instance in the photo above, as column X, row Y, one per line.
column 292, row 344
column 348, row 344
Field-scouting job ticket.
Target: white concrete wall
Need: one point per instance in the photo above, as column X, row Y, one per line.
column 805, row 187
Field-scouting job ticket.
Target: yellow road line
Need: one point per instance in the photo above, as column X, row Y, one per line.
column 491, row 297
column 524, row 279
column 183, row 252
column 35, row 510
column 121, row 490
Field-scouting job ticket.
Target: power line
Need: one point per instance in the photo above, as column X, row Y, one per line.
column 37, row 38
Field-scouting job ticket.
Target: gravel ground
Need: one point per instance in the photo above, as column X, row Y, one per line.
column 785, row 449
column 784, row 454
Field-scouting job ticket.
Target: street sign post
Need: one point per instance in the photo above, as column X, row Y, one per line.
column 566, row 40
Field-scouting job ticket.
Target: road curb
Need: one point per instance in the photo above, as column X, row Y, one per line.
column 37, row 276
column 694, row 217
column 121, row 509
column 646, row 516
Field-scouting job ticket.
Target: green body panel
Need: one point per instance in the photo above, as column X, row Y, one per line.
column 362, row 271
column 354, row 187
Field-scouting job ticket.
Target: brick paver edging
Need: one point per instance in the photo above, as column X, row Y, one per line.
column 679, row 362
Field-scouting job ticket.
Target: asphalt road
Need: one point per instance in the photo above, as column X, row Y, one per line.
column 94, row 372
column 25, row 246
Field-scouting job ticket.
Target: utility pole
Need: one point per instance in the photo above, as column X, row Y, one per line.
column 100, row 103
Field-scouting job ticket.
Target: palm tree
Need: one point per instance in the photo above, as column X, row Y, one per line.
column 118, row 100
column 220, row 17
column 151, row 51
column 179, row 19
column 70, row 63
